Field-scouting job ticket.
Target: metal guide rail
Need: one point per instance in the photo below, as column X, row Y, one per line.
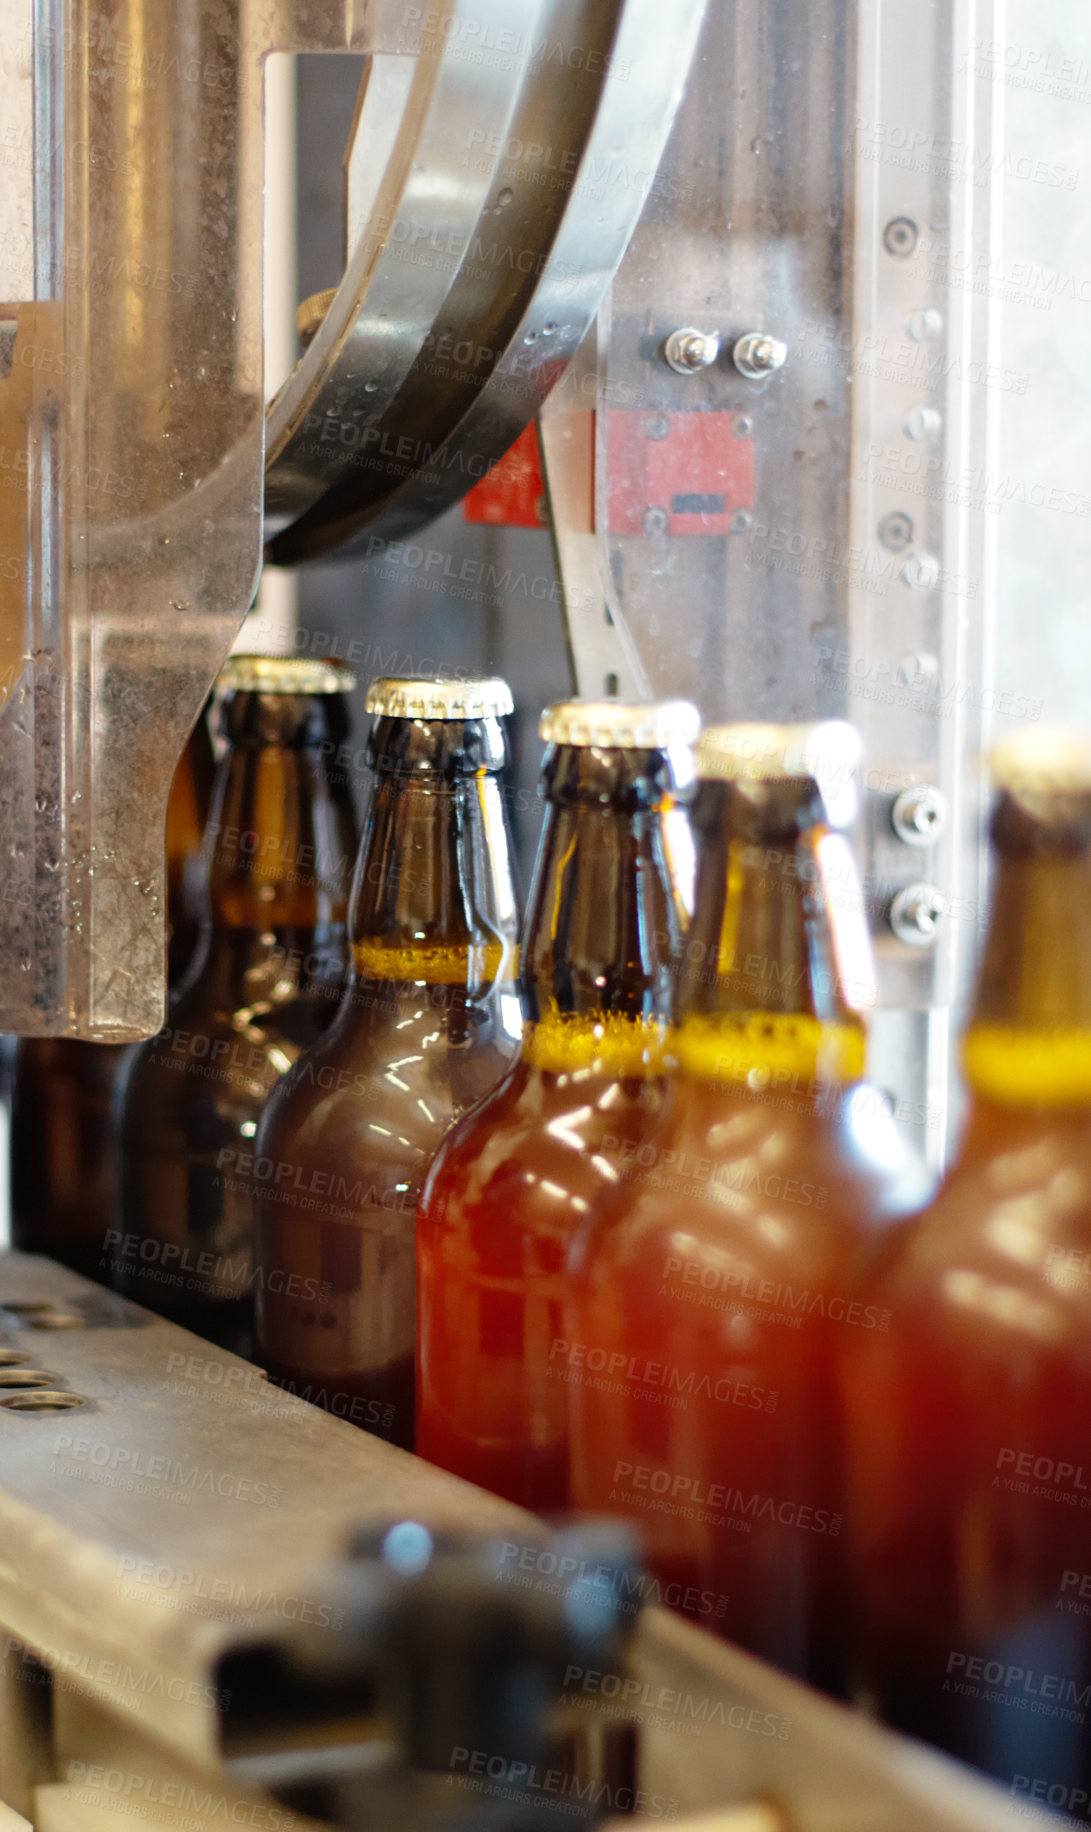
column 222, row 1606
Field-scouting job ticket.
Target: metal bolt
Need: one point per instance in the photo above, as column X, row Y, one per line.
column 655, row 521
column 739, row 523
column 688, row 350
column 919, row 815
column 916, row 913
column 924, row 323
column 657, row 426
column 896, row 531
column 756, row 355
column 923, row 423
column 900, row 237
column 741, row 426
column 917, row 670
column 921, row 571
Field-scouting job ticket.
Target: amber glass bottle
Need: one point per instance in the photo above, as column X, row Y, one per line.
column 709, row 1286
column 63, row 1148
column 512, row 1182
column 264, row 983
column 969, row 1421
column 427, row 1024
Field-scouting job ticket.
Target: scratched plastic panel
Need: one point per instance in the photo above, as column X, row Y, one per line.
column 131, row 454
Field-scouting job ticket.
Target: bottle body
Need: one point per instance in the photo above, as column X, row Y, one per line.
column 969, row 1434
column 512, row 1184
column 711, row 1283
column 64, row 1173
column 968, row 1425
column 425, row 1028
column 264, row 984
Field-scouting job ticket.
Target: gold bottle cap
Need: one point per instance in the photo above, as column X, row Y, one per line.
column 1050, row 760
column 620, row 725
column 309, row 315
column 285, row 674
column 439, row 697
column 829, row 749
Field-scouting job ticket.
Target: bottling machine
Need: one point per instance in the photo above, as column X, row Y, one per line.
column 775, row 315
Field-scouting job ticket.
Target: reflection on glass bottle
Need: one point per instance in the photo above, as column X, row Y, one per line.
column 710, row 1287
column 428, row 1023
column 63, row 1145
column 969, row 1416
column 264, row 984
column 514, row 1180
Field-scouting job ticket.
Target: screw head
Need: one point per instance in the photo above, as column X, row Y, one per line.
column 900, row 237
column 741, row 426
column 923, row 423
column 657, row 426
column 740, row 522
column 924, row 323
column 916, row 913
column 655, row 521
column 688, row 351
column 896, row 531
column 921, row 571
column 917, row 669
column 756, row 354
column 919, row 814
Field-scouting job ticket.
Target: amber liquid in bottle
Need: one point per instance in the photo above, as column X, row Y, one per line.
column 969, row 1420
column 711, row 1284
column 427, row 1024
column 265, row 982
column 514, row 1180
column 64, row 1192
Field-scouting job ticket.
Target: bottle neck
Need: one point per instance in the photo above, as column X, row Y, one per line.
column 433, row 898
column 281, row 832
column 778, row 957
column 606, row 914
column 1028, row 1044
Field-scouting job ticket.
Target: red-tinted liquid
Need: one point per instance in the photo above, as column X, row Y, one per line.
column 498, row 1216
column 969, row 1428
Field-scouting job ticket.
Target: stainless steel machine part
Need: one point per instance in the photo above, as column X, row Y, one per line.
column 174, row 1507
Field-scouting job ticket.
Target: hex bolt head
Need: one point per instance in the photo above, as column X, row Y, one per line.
column 900, row 237
column 921, row 571
column 688, row 351
column 757, row 355
column 896, row 531
column 916, row 913
column 919, row 814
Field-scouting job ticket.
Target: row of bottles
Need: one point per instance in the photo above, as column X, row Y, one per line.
column 663, row 1266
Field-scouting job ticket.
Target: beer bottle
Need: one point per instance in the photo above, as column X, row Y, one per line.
column 428, row 1022
column 969, row 1418
column 512, row 1182
column 709, row 1285
column 264, row 984
column 63, row 1145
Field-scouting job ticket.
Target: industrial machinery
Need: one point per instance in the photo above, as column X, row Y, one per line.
column 776, row 314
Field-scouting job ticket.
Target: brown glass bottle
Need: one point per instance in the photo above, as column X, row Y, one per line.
column 63, row 1147
column 264, row 984
column 710, row 1286
column 969, row 1420
column 428, row 1023
column 512, row 1183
